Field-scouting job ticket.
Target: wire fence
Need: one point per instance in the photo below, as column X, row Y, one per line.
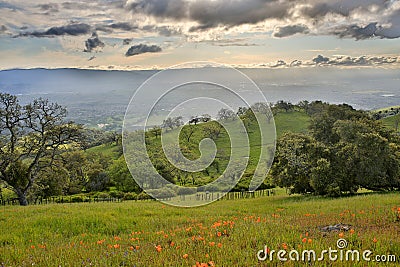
column 203, row 196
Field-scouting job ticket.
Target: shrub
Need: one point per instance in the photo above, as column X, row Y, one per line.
column 129, row 196
column 143, row 196
column 102, row 195
column 116, row 194
column 76, row 199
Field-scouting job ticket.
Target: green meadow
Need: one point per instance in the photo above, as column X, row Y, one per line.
column 224, row 233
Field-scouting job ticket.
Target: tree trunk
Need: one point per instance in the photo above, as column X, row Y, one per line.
column 22, row 198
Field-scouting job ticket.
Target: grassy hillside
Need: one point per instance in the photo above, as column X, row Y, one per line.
column 391, row 121
column 111, row 150
column 226, row 233
column 293, row 121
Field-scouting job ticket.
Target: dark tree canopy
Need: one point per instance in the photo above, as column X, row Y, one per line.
column 344, row 151
column 31, row 139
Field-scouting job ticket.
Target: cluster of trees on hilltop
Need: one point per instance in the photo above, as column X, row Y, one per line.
column 344, row 150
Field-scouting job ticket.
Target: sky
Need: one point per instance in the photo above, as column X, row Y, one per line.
column 154, row 34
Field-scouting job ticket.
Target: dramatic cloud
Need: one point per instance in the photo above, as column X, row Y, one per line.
column 358, row 19
column 296, row 63
column 126, row 41
column 320, row 59
column 212, row 13
column 199, row 20
column 122, row 26
column 93, row 43
column 72, row 29
column 357, row 32
column 345, row 19
column 141, row 49
column 279, row 63
column 339, row 61
column 360, row 61
column 290, row 30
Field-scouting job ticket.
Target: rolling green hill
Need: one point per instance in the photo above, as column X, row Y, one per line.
column 294, row 121
column 391, row 121
column 111, row 150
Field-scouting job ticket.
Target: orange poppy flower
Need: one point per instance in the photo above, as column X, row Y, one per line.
column 185, row 256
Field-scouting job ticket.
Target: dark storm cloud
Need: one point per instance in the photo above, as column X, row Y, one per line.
column 388, row 25
column 125, row 26
column 290, row 30
column 229, row 13
column 141, row 49
column 72, row 29
column 176, row 9
column 126, row 41
column 320, row 59
column 357, row 32
column 93, row 43
column 167, row 31
column 211, row 13
column 392, row 31
column 369, row 31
